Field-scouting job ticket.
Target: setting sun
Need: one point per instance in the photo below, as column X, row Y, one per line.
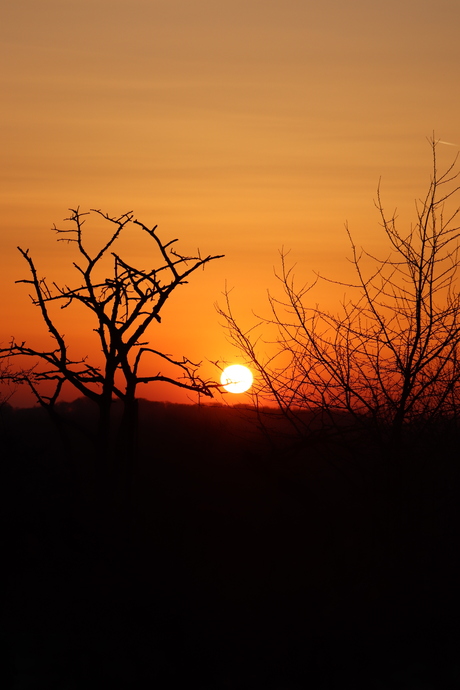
column 236, row 379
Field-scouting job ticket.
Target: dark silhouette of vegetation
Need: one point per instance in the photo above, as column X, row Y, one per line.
column 125, row 301
column 390, row 358
column 248, row 567
column 257, row 557
column 5, row 377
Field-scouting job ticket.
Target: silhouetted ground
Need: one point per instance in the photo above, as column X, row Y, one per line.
column 252, row 563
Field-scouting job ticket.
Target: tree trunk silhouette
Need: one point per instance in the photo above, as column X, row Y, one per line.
column 125, row 303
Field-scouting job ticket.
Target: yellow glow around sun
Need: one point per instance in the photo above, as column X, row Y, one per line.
column 236, row 379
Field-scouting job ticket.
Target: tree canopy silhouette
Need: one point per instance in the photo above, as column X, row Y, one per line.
column 124, row 304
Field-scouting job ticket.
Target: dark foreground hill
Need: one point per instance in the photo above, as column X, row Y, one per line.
column 252, row 561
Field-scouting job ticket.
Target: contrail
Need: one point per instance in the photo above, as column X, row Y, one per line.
column 448, row 143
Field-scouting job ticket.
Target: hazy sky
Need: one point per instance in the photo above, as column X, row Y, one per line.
column 238, row 127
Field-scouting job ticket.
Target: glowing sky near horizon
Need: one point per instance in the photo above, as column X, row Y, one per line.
column 237, row 127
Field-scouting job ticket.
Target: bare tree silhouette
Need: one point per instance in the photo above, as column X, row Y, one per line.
column 124, row 304
column 390, row 357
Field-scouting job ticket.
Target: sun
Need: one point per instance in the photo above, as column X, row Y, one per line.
column 236, row 378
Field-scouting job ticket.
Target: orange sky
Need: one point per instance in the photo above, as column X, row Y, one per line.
column 237, row 127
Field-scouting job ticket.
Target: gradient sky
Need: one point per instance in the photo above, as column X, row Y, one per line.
column 238, row 127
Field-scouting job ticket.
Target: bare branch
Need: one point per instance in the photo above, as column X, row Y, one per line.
column 391, row 354
column 123, row 304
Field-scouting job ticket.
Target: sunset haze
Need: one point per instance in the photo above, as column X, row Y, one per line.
column 238, row 128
